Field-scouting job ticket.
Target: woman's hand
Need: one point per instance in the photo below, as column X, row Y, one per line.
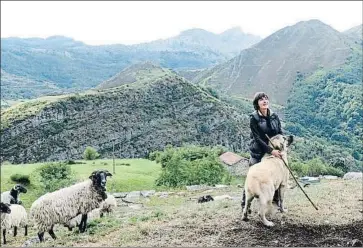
column 276, row 153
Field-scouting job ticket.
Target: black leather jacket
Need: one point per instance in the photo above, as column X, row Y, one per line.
column 261, row 125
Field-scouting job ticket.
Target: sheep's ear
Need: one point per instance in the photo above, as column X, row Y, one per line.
column 107, row 173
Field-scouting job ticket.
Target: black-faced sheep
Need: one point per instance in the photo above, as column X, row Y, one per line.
column 12, row 196
column 16, row 218
column 64, row 204
column 4, row 210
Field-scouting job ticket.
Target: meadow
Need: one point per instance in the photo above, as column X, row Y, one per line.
column 178, row 220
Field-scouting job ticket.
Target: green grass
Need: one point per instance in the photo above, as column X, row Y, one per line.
column 139, row 175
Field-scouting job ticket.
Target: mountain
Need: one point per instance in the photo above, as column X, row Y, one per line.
column 74, row 66
column 19, row 87
column 137, row 118
column 189, row 74
column 136, row 73
column 355, row 33
column 328, row 105
column 229, row 43
column 272, row 64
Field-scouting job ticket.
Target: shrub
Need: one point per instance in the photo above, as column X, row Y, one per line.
column 20, row 178
column 315, row 167
column 334, row 171
column 54, row 176
column 90, row 153
column 154, row 155
column 191, row 165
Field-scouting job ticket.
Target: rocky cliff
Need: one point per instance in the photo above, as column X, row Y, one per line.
column 136, row 119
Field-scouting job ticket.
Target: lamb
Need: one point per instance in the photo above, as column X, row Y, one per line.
column 60, row 206
column 16, row 218
column 107, row 206
column 12, row 196
column 94, row 214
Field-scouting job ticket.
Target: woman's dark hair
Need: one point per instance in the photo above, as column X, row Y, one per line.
column 258, row 96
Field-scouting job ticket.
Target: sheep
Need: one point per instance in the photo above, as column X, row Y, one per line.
column 4, row 208
column 94, row 214
column 12, row 196
column 16, row 218
column 60, row 206
column 107, row 206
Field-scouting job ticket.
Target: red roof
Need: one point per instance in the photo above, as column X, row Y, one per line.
column 230, row 158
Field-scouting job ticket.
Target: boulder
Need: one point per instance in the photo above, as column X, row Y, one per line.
column 353, row 176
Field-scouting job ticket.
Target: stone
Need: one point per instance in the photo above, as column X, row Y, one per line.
column 133, row 194
column 353, row 176
column 221, row 186
column 120, row 194
column 198, row 187
column 147, row 193
column 329, row 177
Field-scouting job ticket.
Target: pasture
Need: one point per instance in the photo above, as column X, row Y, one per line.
column 176, row 219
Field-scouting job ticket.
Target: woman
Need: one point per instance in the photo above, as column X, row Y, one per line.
column 262, row 122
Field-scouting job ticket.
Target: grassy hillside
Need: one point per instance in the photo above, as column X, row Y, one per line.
column 19, row 87
column 271, row 64
column 138, row 73
column 327, row 105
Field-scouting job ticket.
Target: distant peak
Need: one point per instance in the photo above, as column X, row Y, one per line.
column 312, row 22
column 59, row 37
column 145, row 64
column 235, row 29
column 194, row 31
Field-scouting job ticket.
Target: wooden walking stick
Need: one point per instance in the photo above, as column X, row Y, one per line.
column 293, row 175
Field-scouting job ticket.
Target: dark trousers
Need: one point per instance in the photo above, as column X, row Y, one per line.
column 251, row 162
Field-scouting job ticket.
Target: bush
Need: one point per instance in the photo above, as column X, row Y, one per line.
column 19, row 178
column 315, row 167
column 90, row 153
column 54, row 176
column 191, row 165
column 154, row 155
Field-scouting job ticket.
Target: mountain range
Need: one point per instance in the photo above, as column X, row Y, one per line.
column 272, row 64
column 72, row 65
column 312, row 71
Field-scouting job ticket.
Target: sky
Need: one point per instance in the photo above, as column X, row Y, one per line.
column 131, row 22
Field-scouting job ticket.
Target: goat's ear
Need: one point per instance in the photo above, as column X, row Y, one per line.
column 290, row 139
